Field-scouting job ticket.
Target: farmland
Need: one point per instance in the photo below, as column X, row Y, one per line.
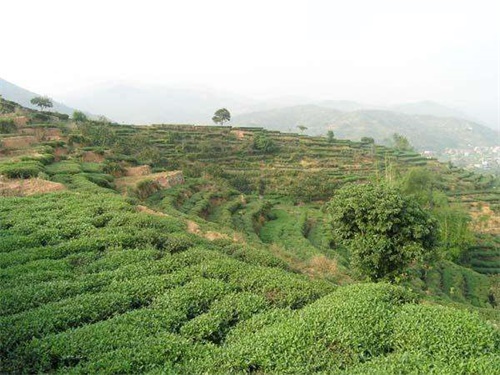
column 189, row 249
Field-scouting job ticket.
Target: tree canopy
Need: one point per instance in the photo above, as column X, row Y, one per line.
column 221, row 116
column 401, row 143
column 79, row 116
column 383, row 229
column 42, row 102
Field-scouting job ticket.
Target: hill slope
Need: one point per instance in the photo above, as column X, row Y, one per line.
column 424, row 132
column 22, row 96
column 121, row 266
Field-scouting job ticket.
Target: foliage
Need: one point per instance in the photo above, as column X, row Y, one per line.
column 302, row 128
column 221, row 116
column 401, row 143
column 79, row 116
column 22, row 169
column 383, row 230
column 7, row 126
column 42, row 102
column 330, row 136
column 264, row 143
column 210, row 279
column 367, row 140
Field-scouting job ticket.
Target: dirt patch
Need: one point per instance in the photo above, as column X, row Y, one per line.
column 52, row 134
column 484, row 219
column 92, row 157
column 21, row 121
column 20, row 187
column 324, row 265
column 215, row 236
column 141, row 170
column 161, row 180
column 60, row 151
column 28, row 131
column 239, row 133
column 18, row 142
column 150, row 211
column 192, row 227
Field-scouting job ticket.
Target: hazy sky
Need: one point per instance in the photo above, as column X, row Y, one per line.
column 377, row 51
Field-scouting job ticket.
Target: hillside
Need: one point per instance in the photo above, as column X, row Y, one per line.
column 428, row 108
column 22, row 96
column 146, row 104
column 424, row 132
column 205, row 249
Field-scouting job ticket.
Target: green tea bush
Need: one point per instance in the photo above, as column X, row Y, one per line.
column 89, row 341
column 59, row 316
column 444, row 333
column 280, row 288
column 22, row 169
column 24, row 297
column 64, row 167
column 223, row 314
column 346, row 327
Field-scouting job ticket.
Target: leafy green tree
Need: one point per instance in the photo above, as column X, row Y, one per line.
column 401, row 143
column 330, row 136
column 368, row 140
column 384, row 230
column 455, row 236
column 79, row 116
column 302, row 128
column 42, row 102
column 221, row 116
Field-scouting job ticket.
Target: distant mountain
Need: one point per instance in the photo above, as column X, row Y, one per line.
column 343, row 105
column 146, row 104
column 428, row 108
column 424, row 132
column 22, row 96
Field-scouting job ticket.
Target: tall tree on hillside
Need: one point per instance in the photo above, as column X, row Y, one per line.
column 221, row 116
column 42, row 102
column 302, row 128
column 330, row 135
column 384, row 230
column 401, row 143
column 79, row 116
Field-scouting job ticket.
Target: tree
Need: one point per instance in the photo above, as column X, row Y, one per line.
column 401, row 143
column 42, row 102
column 330, row 136
column 383, row 230
column 302, row 128
column 221, row 116
column 367, row 140
column 79, row 116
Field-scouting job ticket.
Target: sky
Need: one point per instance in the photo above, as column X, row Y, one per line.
column 374, row 51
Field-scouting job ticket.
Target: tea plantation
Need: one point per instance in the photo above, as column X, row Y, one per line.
column 112, row 263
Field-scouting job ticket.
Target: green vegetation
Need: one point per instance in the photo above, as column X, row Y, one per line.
column 383, row 230
column 243, row 263
column 79, row 116
column 42, row 102
column 221, row 116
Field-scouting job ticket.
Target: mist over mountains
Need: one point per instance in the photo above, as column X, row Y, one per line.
column 22, row 96
column 425, row 132
column 428, row 125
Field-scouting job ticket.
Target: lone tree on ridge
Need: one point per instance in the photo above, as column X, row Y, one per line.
column 42, row 102
column 221, row 116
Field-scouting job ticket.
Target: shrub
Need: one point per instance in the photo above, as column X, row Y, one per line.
column 7, row 126
column 23, row 169
column 444, row 333
column 383, row 230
